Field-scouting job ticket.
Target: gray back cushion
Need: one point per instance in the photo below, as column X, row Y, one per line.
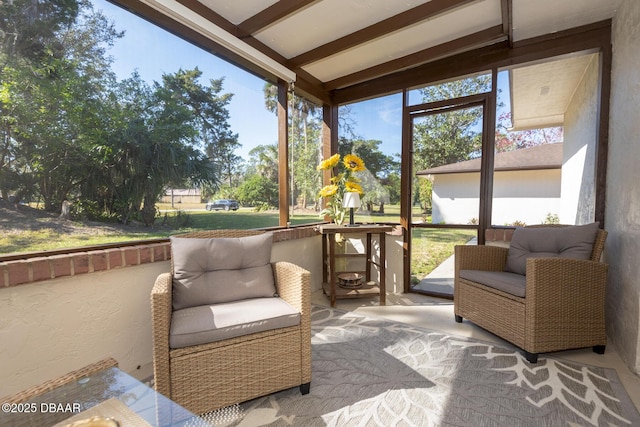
column 218, row 270
column 547, row 242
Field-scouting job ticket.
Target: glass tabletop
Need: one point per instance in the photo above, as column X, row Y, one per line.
column 74, row 398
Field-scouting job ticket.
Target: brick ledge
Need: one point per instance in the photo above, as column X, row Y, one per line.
column 25, row 271
column 498, row 234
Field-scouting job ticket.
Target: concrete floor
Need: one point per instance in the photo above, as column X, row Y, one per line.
column 437, row 314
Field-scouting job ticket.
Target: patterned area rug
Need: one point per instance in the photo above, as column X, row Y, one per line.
column 373, row 372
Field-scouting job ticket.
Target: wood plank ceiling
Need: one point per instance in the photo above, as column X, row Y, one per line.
column 337, row 46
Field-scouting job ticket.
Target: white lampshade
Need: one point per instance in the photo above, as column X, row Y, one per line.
column 351, row 200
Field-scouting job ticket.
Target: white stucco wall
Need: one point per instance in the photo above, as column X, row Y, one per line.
column 623, row 187
column 52, row 327
column 526, row 196
column 579, row 150
column 455, row 198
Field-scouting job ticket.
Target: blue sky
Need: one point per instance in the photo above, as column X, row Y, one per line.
column 152, row 51
column 380, row 119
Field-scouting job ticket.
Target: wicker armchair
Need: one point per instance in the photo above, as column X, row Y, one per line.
column 209, row 376
column 563, row 308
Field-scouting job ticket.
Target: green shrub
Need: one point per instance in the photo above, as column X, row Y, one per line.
column 552, row 219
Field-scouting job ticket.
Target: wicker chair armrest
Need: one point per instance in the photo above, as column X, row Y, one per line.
column 480, row 257
column 294, row 286
column 161, row 308
column 553, row 284
column 293, row 283
column 547, row 274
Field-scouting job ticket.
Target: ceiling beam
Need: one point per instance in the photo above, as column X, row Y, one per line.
column 273, row 13
column 229, row 27
column 389, row 25
column 592, row 37
column 472, row 41
column 167, row 23
column 209, row 14
column 506, row 6
column 312, row 88
column 221, row 22
column 308, row 85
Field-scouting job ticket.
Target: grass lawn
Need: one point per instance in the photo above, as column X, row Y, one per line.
column 430, row 247
column 53, row 239
column 31, row 230
column 242, row 218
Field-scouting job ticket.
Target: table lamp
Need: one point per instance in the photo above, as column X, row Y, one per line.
column 351, row 200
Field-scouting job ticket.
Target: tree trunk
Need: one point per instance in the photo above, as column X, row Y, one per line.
column 148, row 212
column 65, row 211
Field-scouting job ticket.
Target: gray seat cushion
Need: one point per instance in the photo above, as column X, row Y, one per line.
column 549, row 242
column 222, row 269
column 210, row 323
column 512, row 283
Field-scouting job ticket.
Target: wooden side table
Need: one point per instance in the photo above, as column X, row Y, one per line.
column 330, row 274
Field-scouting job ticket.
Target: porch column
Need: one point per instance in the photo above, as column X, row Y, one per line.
column 329, row 137
column 602, row 126
column 283, row 152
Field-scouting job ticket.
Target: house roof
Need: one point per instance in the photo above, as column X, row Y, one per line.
column 546, row 156
column 340, row 50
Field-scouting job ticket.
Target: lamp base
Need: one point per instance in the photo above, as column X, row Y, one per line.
column 351, row 223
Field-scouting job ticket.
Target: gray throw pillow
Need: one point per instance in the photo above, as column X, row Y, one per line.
column 218, row 270
column 545, row 242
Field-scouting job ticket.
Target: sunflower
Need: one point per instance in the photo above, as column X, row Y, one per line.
column 330, row 163
column 328, row 191
column 353, row 163
column 353, row 187
column 338, row 178
column 341, row 182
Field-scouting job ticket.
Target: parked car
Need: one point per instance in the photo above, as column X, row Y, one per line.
column 223, row 204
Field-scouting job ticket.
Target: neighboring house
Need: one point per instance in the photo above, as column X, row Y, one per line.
column 182, row 195
column 526, row 187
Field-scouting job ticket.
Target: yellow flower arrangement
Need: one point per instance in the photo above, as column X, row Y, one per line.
column 330, row 163
column 353, row 163
column 341, row 183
